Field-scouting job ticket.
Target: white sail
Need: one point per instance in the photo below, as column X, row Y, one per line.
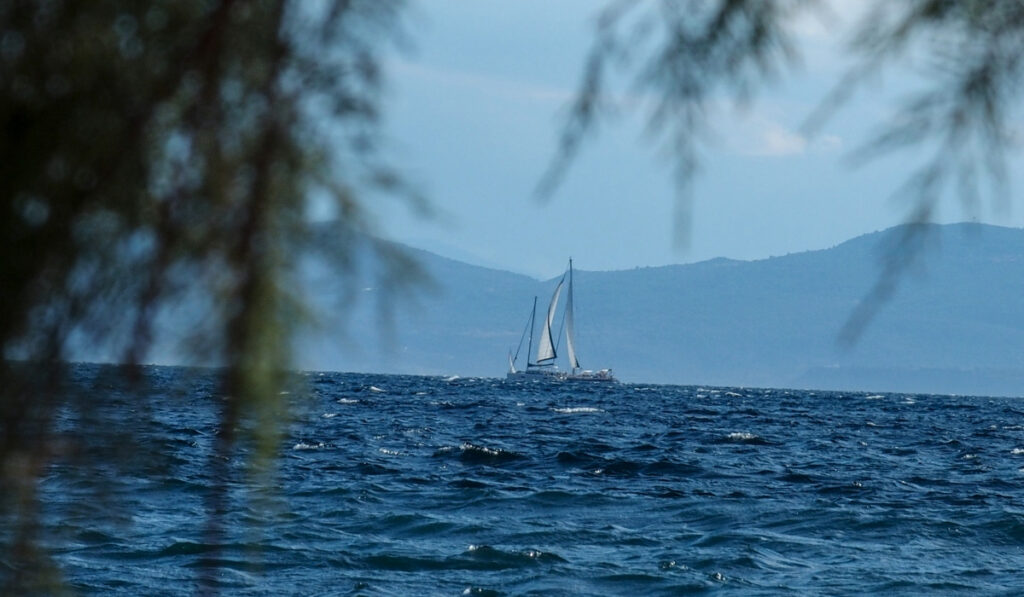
column 573, row 361
column 546, row 348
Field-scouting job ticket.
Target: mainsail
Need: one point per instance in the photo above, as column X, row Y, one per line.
column 573, row 361
column 546, row 348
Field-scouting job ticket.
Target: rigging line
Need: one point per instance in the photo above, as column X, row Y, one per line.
column 533, row 316
column 522, row 337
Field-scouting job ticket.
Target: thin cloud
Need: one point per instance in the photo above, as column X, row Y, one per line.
column 828, row 21
column 767, row 138
column 776, row 140
column 487, row 84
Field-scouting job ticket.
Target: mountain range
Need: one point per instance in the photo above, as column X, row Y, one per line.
column 950, row 325
column 949, row 322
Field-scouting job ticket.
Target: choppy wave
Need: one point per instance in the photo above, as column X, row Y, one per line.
column 475, row 487
column 742, row 437
column 570, row 410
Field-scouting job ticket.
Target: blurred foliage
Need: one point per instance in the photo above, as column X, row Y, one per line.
column 683, row 58
column 153, row 148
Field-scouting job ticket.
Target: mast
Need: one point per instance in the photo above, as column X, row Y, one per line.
column 574, row 362
column 533, row 316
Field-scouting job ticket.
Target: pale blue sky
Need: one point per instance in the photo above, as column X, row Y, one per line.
column 473, row 117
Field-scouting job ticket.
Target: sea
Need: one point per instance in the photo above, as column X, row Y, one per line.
column 407, row 485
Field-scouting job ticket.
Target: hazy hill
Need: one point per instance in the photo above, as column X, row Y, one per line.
column 953, row 325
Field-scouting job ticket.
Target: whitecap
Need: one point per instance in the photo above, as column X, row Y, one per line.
column 329, row 415
column 742, row 436
column 1017, row 451
column 471, row 447
column 347, row 401
column 375, row 389
column 452, row 378
column 874, row 397
column 733, row 395
column 390, row 452
column 577, row 409
column 305, row 446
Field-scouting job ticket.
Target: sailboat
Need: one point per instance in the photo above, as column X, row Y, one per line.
column 544, row 367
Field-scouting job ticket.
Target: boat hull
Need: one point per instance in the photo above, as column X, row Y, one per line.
column 604, row 375
column 545, row 375
column 555, row 375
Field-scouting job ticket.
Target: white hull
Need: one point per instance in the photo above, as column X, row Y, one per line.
column 602, row 375
column 546, row 375
column 555, row 375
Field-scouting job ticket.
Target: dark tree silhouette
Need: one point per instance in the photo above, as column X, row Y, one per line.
column 154, row 149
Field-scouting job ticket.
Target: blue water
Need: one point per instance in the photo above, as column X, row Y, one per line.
column 394, row 485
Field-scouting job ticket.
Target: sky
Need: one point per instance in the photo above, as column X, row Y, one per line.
column 472, row 117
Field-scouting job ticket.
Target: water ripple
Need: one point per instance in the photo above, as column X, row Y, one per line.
column 413, row 485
